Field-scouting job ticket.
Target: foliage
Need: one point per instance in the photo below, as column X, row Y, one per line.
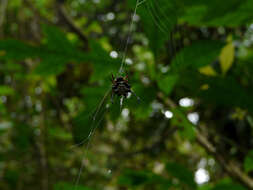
column 189, row 61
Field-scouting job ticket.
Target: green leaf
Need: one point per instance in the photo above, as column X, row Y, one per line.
column 86, row 122
column 82, row 126
column 22, row 137
column 205, row 187
column 95, row 95
column 198, row 54
column 227, row 92
column 12, row 176
column 134, row 178
column 103, row 64
column 180, row 119
column 17, row 50
column 227, row 56
column 167, row 83
column 156, row 37
column 69, row 186
column 228, row 13
column 59, row 133
column 57, row 40
column 50, row 65
column 142, row 108
column 248, row 162
column 207, row 70
column 227, row 184
column 198, row 13
column 164, row 14
column 216, row 13
column 57, row 51
column 184, row 175
column 230, row 186
column 95, row 99
column 6, row 90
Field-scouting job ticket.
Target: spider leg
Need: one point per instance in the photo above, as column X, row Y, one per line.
column 112, row 97
column 126, row 78
column 113, row 78
column 137, row 97
column 121, row 102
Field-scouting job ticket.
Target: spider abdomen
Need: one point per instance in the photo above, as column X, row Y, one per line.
column 121, row 87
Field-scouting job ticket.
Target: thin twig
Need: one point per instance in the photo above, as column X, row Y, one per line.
column 70, row 23
column 231, row 167
column 3, row 8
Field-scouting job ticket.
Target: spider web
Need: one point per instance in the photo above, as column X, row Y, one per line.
column 157, row 12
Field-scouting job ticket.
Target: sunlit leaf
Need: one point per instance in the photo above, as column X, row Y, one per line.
column 207, row 70
column 6, row 90
column 227, row 57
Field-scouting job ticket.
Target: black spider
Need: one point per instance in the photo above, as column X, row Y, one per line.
column 121, row 87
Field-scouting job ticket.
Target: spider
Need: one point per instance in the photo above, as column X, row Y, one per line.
column 121, row 87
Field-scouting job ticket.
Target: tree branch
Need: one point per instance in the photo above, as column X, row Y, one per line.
column 231, row 167
column 3, row 8
column 70, row 23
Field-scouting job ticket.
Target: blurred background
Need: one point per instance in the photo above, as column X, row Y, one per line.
column 189, row 61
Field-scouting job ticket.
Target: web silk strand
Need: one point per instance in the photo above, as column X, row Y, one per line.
column 86, row 151
column 94, row 126
column 128, row 37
